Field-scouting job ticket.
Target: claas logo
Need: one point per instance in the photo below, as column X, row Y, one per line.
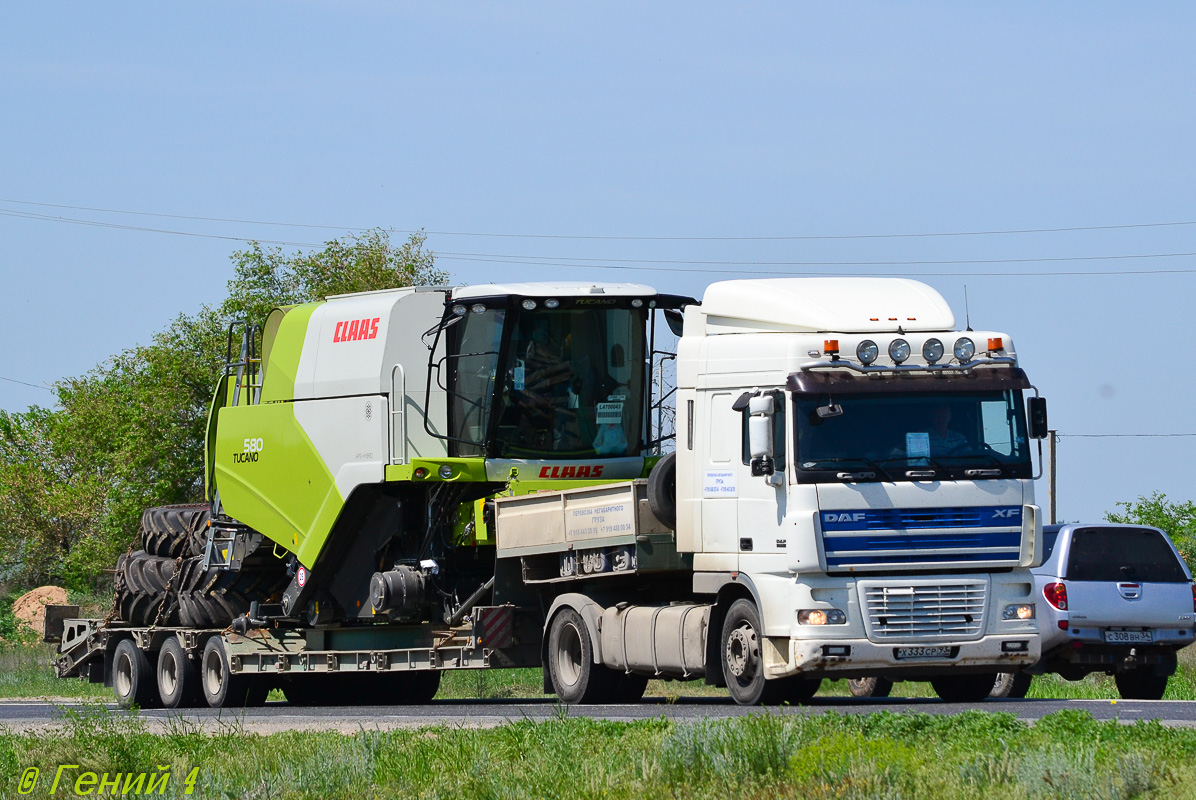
column 355, row 330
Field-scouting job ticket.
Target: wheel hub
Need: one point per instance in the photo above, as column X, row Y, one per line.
column 743, row 652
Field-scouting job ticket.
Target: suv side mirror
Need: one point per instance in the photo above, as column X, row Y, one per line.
column 1037, row 413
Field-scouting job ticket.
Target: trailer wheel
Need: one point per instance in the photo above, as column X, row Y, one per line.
column 964, row 688
column 869, row 687
column 133, row 676
column 575, row 677
column 178, row 677
column 743, row 661
column 662, row 490
column 222, row 688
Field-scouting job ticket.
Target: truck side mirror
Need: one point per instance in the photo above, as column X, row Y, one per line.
column 760, row 420
column 1037, row 413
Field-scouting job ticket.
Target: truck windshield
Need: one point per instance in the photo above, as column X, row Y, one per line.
column 888, row 434
column 571, row 382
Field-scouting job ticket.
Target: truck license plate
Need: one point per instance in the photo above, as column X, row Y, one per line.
column 923, row 652
column 1129, row 637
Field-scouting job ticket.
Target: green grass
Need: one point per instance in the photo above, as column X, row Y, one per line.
column 883, row 755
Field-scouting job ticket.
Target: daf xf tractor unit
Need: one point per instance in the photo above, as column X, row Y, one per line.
column 405, row 482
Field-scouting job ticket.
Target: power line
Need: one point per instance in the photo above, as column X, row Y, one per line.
column 118, row 226
column 805, row 237
column 1123, row 435
column 23, row 383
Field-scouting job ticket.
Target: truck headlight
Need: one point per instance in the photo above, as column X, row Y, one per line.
column 821, row 616
column 1019, row 611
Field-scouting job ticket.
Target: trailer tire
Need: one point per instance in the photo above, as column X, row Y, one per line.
column 176, row 530
column 1141, row 684
column 178, row 677
column 221, row 687
column 662, row 490
column 743, row 661
column 964, row 688
column 133, row 678
column 869, row 687
column 575, row 678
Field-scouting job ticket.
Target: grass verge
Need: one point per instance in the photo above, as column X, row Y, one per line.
column 883, row 755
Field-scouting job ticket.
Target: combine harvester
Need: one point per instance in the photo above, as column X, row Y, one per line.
column 410, row 481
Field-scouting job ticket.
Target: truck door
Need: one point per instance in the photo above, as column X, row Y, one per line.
column 761, row 502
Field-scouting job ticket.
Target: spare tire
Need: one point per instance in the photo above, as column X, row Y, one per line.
column 173, row 531
column 662, row 490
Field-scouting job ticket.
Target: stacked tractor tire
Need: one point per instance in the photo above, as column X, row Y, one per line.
column 165, row 582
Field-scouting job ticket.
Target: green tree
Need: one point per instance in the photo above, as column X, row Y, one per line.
column 130, row 433
column 1177, row 519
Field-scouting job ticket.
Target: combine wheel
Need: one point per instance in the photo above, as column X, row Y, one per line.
column 133, row 676
column 173, row 531
column 575, row 677
column 662, row 490
column 223, row 689
column 178, row 677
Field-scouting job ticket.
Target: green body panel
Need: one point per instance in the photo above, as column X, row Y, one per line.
column 285, row 349
column 283, row 490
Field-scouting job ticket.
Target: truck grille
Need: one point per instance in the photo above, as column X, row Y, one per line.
column 923, row 611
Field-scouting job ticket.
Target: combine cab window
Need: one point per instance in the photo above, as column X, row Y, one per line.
column 565, row 382
column 1122, row 554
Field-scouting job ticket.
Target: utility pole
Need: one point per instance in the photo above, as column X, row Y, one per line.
column 1054, row 438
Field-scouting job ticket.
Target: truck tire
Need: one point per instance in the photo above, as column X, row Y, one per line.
column 629, row 688
column 178, row 677
column 133, row 678
column 173, row 531
column 662, row 490
column 1011, row 684
column 222, row 688
column 1141, row 684
column 575, row 678
column 743, row 662
column 869, row 687
column 964, row 688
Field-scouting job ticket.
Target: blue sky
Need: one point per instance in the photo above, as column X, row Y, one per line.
column 627, row 120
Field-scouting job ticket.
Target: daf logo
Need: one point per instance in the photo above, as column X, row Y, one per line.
column 1006, row 513
column 844, row 517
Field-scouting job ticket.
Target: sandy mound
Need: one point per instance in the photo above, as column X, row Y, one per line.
column 30, row 607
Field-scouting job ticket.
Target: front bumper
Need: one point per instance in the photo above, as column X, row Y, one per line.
column 839, row 658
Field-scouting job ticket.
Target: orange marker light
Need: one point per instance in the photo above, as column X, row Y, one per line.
column 996, row 343
column 830, row 346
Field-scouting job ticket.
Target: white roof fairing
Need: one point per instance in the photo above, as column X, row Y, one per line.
column 847, row 305
column 553, row 289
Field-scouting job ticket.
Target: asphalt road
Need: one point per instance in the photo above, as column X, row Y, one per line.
column 16, row 715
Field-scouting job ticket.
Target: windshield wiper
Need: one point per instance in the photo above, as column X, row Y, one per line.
column 858, row 459
column 936, row 467
column 998, row 463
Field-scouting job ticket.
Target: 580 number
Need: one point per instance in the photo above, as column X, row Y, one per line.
column 253, row 445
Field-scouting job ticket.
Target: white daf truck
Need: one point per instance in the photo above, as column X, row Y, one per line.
column 854, row 498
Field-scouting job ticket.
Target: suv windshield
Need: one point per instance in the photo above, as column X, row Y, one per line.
column 891, row 433
column 1122, row 554
column 572, row 382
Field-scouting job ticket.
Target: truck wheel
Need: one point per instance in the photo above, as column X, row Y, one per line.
column 869, row 687
column 133, row 676
column 662, row 490
column 173, row 531
column 221, row 688
column 743, row 662
column 799, row 690
column 178, row 677
column 629, row 688
column 1011, row 684
column 964, row 688
column 1140, row 684
column 575, row 677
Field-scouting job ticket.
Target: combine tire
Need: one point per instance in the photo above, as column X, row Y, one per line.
column 213, row 598
column 174, row 531
column 662, row 490
column 142, row 580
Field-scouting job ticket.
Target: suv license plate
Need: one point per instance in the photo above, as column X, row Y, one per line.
column 1129, row 637
column 923, row 652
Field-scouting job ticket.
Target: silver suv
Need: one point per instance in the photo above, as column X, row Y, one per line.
column 1112, row 598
